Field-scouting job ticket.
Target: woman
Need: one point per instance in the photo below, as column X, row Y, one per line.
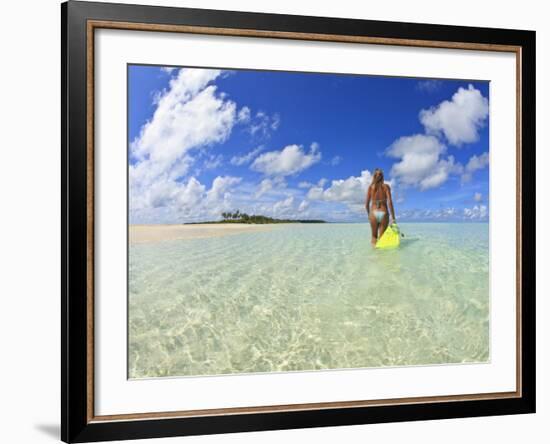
column 380, row 195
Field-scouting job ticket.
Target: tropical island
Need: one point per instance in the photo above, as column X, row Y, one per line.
column 242, row 218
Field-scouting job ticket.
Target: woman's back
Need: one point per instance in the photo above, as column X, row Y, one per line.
column 379, row 196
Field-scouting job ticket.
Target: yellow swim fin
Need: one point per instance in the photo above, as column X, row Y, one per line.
column 390, row 239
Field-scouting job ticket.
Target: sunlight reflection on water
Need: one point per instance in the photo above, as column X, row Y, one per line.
column 306, row 297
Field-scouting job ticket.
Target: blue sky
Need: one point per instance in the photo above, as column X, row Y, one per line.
column 303, row 145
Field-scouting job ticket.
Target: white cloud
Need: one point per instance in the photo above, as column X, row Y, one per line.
column 350, row 191
column 477, row 212
column 244, row 114
column 315, row 193
column 188, row 195
column 475, row 163
column 478, row 162
column 275, row 122
column 305, row 184
column 168, row 69
column 189, row 115
column 322, row 182
column 267, row 185
column 304, row 205
column 287, row 207
column 423, row 160
column 458, row 119
column 213, row 161
column 262, row 124
column 478, row 197
column 284, row 207
column 421, row 164
column 167, row 202
column 448, row 212
column 220, row 188
column 246, row 158
column 290, row 160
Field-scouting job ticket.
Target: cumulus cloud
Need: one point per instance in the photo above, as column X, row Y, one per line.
column 350, row 191
column 458, row 119
column 478, row 162
column 290, row 160
column 440, row 214
column 421, row 164
column 190, row 200
column 305, row 184
column 289, row 207
column 246, row 158
column 213, row 161
column 476, row 212
column 244, row 114
column 423, row 161
column 189, row 115
column 304, row 205
column 266, row 185
column 284, row 207
column 262, row 124
column 315, row 193
column 220, row 188
column 475, row 163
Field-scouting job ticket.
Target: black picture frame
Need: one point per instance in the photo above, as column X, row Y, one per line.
column 76, row 326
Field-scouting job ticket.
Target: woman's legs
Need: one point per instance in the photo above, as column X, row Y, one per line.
column 383, row 225
column 374, row 228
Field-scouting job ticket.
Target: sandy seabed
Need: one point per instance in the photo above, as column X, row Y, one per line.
column 156, row 233
column 304, row 297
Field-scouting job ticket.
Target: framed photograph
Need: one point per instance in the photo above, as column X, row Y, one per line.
column 275, row 221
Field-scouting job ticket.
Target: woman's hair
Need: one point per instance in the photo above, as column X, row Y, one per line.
column 377, row 181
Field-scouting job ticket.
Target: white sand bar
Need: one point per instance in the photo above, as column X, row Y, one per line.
column 156, row 233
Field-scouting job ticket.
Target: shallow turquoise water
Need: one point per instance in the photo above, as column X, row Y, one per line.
column 306, row 297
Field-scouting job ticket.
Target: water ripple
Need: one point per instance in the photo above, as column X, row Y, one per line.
column 308, row 297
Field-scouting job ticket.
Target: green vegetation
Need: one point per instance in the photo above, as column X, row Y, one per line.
column 242, row 218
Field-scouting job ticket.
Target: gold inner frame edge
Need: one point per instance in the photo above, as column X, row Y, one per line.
column 97, row 24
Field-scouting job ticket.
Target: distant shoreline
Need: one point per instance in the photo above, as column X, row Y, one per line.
column 262, row 222
column 238, row 217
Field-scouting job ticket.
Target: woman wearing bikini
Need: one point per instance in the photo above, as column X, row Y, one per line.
column 380, row 195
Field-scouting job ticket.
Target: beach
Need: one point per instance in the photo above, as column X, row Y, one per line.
column 303, row 297
column 157, row 233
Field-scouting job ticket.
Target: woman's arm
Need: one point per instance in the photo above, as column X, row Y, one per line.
column 367, row 202
column 390, row 202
